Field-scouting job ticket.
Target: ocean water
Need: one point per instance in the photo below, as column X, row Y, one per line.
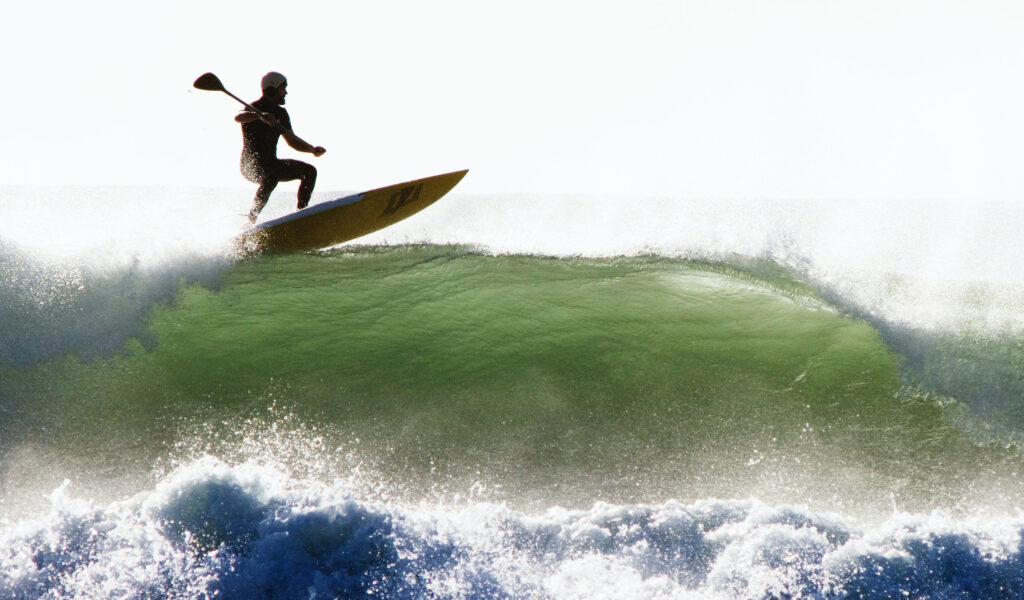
column 512, row 397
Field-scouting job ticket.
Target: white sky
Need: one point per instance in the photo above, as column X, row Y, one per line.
column 843, row 99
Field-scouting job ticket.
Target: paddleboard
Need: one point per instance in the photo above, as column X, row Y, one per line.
column 330, row 223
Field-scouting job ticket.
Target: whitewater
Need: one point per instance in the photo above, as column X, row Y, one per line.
column 512, row 396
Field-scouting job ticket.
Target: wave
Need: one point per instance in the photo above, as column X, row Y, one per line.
column 511, row 397
column 559, row 380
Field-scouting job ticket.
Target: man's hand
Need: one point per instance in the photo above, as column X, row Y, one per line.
column 302, row 145
column 269, row 119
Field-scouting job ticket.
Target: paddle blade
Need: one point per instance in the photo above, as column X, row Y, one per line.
column 209, row 82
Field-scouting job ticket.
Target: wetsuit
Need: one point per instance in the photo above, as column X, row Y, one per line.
column 260, row 163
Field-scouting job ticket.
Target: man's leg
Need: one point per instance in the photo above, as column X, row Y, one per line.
column 262, row 196
column 264, row 176
column 290, row 170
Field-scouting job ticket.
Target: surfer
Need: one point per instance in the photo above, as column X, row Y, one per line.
column 260, row 132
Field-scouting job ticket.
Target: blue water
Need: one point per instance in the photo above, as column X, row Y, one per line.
column 511, row 397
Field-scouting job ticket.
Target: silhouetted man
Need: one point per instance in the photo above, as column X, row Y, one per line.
column 260, row 132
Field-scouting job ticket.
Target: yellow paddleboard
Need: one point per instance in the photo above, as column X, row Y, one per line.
column 329, row 223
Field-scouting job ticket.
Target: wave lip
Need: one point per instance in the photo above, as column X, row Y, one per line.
column 210, row 530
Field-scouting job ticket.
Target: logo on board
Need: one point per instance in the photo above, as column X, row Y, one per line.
column 406, row 195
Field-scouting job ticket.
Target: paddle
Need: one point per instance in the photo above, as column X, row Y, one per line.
column 211, row 83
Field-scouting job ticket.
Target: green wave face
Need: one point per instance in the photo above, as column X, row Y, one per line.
column 547, row 381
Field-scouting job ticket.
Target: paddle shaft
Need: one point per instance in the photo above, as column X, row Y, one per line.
column 244, row 103
column 251, row 107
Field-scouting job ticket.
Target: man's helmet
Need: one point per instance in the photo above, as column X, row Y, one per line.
column 273, row 79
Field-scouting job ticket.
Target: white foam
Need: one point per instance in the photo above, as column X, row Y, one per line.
column 247, row 531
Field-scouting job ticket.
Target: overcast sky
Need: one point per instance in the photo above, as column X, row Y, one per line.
column 834, row 99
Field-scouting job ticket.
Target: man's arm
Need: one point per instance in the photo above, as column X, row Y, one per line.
column 247, row 116
column 302, row 145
